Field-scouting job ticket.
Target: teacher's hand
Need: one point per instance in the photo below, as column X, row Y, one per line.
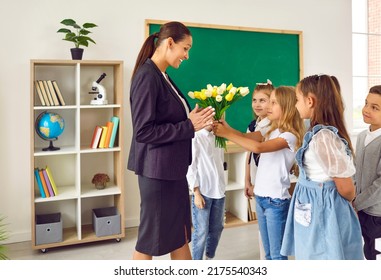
column 201, row 118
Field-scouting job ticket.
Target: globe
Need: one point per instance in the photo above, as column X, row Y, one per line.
column 48, row 127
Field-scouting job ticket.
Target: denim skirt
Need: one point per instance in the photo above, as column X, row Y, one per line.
column 321, row 224
column 165, row 216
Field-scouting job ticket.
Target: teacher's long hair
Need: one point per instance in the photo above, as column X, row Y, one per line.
column 174, row 29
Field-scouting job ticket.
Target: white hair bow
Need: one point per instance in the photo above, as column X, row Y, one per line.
column 265, row 84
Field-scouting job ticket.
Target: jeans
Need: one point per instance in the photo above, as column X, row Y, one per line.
column 272, row 216
column 371, row 229
column 208, row 224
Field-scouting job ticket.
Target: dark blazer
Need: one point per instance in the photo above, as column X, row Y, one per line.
column 162, row 132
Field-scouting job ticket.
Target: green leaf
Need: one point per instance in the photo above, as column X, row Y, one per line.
column 68, row 22
column 64, row 30
column 76, row 26
column 3, row 236
column 84, row 32
column 223, row 110
column 85, row 38
column 89, row 25
column 91, row 40
column 83, row 42
column 70, row 36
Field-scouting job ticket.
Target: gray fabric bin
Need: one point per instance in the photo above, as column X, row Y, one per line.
column 48, row 228
column 106, row 221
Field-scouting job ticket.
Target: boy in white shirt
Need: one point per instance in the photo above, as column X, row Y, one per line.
column 206, row 180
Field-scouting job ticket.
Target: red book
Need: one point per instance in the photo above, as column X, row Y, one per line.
column 96, row 137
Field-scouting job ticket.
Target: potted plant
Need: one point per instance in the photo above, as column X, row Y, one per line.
column 79, row 36
column 100, row 180
column 3, row 237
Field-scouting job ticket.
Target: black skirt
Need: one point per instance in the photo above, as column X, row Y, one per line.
column 165, row 217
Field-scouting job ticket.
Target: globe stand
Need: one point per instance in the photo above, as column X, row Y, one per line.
column 51, row 147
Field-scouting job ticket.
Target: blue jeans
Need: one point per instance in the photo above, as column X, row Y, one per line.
column 208, row 224
column 272, row 216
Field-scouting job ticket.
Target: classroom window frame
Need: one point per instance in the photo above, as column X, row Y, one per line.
column 366, row 54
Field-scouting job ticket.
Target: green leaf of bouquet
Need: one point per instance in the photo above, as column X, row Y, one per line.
column 224, row 109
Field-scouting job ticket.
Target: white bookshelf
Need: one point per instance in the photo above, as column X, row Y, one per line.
column 236, row 204
column 75, row 163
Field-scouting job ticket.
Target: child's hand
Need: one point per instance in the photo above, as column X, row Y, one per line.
column 199, row 201
column 249, row 191
column 221, row 128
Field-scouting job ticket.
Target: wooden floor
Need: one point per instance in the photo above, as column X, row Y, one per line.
column 238, row 242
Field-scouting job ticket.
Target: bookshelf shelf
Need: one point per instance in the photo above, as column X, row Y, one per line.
column 237, row 205
column 236, row 202
column 75, row 163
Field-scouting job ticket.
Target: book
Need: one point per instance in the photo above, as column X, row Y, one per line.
column 47, row 181
column 103, row 137
column 59, row 94
column 39, row 93
column 52, row 182
column 53, row 93
column 45, row 84
column 44, row 94
column 39, row 183
column 115, row 121
column 46, row 191
column 108, row 135
column 96, row 137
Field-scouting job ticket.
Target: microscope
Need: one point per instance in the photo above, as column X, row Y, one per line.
column 100, row 91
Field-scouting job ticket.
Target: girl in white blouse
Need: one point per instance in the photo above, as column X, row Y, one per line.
column 272, row 180
column 321, row 222
column 260, row 103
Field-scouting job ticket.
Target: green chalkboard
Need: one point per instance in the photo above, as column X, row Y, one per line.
column 242, row 56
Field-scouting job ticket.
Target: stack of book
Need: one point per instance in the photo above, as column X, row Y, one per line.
column 45, row 182
column 49, row 93
column 104, row 135
column 252, row 215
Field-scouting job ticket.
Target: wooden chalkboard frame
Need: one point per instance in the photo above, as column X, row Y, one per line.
column 240, row 113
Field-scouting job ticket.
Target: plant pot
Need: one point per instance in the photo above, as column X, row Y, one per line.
column 76, row 53
column 100, row 186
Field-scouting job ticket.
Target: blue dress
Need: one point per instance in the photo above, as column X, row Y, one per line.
column 321, row 224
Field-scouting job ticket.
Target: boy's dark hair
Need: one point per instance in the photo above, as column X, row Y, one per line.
column 375, row 89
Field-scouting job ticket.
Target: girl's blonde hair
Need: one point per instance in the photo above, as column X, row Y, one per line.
column 290, row 119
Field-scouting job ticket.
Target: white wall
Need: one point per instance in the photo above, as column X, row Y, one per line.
column 29, row 32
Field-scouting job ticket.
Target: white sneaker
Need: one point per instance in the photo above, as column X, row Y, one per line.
column 207, row 258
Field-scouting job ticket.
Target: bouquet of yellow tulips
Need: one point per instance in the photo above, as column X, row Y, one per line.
column 220, row 98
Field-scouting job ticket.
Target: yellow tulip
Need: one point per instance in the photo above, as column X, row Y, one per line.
column 214, row 92
column 229, row 96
